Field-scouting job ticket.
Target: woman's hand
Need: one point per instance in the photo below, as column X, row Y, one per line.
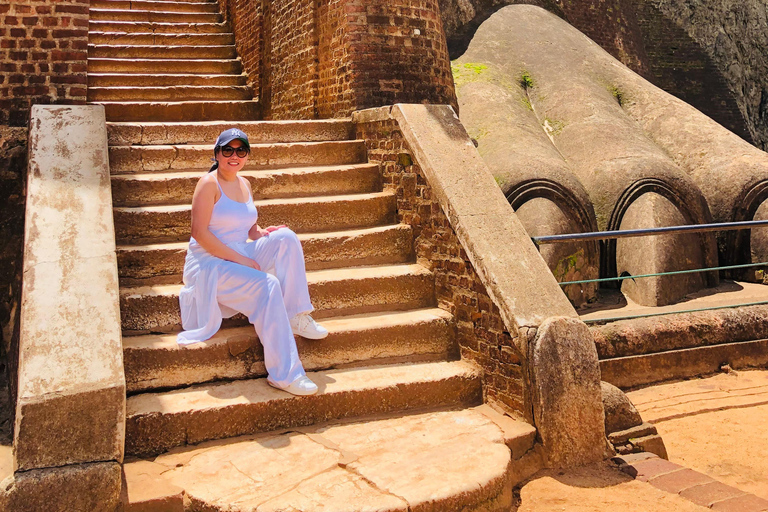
column 248, row 262
column 274, row 228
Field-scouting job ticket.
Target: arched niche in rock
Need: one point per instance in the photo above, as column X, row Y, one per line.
column 546, row 208
column 652, row 204
column 747, row 246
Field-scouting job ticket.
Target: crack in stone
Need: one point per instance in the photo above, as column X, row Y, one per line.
column 344, row 464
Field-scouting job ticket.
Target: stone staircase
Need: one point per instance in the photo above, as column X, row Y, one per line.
column 170, row 80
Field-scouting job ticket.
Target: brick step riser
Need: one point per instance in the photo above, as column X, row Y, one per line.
column 170, row 93
column 242, row 357
column 151, row 66
column 186, row 6
column 152, row 434
column 183, row 111
column 134, row 134
column 134, row 80
column 149, row 39
column 129, row 191
column 159, row 28
column 162, row 52
column 133, row 159
column 165, row 264
column 160, row 313
column 154, row 17
column 142, row 226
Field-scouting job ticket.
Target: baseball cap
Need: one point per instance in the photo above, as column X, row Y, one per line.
column 229, row 135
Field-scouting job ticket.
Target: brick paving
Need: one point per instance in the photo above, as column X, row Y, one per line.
column 687, row 483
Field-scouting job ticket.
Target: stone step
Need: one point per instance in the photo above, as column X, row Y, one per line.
column 159, row 224
column 150, row 38
column 163, row 6
column 126, row 15
column 112, row 51
column 158, row 28
column 166, row 80
column 321, row 130
column 336, row 292
column 157, row 422
column 177, row 187
column 171, row 93
column 142, row 159
column 464, row 460
column 381, row 245
column 157, row 361
column 166, row 66
column 180, row 111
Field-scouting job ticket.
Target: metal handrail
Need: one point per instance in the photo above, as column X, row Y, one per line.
column 660, row 274
column 630, row 233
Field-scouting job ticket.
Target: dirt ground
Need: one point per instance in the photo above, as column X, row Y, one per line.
column 716, row 425
column 597, row 488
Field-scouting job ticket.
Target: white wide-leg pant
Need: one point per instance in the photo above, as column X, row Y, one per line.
column 270, row 297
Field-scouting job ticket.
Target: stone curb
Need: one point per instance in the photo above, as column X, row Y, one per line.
column 692, row 485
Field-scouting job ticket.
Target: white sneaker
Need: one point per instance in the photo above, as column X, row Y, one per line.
column 303, row 325
column 302, row 386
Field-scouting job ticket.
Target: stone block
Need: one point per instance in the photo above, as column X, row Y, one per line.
column 708, row 494
column 146, row 490
column 567, row 404
column 76, row 488
column 653, row 443
column 71, row 388
column 680, row 480
column 620, row 413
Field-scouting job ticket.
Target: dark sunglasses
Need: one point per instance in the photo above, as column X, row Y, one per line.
column 228, row 151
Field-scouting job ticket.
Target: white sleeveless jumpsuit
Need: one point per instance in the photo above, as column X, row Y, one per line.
column 215, row 288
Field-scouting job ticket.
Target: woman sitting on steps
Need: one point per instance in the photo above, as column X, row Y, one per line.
column 264, row 278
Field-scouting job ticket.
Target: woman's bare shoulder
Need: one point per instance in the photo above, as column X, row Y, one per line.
column 207, row 187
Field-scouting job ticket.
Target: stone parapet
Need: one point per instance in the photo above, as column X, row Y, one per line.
column 490, row 277
column 70, row 408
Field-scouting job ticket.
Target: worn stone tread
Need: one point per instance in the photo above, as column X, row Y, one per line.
column 171, row 93
column 379, row 245
column 157, row 27
column 156, row 422
column 333, row 292
column 167, row 223
column 128, row 15
column 450, row 460
column 177, row 187
column 163, row 80
column 139, row 51
column 157, row 361
column 153, row 5
column 150, row 38
column 203, row 132
column 177, row 157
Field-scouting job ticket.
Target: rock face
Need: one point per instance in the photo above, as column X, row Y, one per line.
column 709, row 53
column 735, row 34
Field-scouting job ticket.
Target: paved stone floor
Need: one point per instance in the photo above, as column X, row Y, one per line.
column 716, row 425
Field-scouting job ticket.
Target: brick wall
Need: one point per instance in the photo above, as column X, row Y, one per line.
column 680, row 66
column 611, row 24
column 246, row 19
column 312, row 59
column 384, row 52
column 480, row 330
column 43, row 55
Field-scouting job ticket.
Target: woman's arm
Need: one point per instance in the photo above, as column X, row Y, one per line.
column 202, row 208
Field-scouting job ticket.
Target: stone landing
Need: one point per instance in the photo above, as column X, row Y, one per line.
column 446, row 460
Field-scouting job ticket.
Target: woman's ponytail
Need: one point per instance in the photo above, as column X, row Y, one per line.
column 214, row 166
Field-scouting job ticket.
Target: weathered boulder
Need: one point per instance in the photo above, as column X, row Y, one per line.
column 620, row 413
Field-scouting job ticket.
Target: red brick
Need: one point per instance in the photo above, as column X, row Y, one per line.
column 71, row 9
column 18, row 32
column 679, row 480
column 745, row 503
column 644, row 470
column 712, row 492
